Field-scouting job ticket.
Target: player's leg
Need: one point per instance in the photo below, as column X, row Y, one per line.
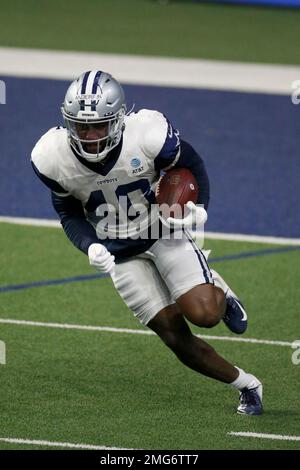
column 171, row 327
column 141, row 287
column 204, row 305
column 146, row 294
column 201, row 293
column 195, row 353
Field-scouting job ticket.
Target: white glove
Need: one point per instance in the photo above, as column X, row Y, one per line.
column 197, row 216
column 101, row 258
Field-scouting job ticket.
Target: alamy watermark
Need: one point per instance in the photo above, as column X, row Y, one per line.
column 143, row 221
column 296, row 354
column 2, row 92
column 2, row 353
column 295, row 97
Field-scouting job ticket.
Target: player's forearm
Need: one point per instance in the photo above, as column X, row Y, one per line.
column 190, row 159
column 79, row 231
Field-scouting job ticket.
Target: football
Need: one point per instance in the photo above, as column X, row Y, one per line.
column 174, row 189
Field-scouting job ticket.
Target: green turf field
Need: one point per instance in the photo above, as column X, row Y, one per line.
column 129, row 390
column 148, row 27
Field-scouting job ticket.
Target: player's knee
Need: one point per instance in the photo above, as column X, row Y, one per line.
column 205, row 313
column 202, row 306
column 210, row 321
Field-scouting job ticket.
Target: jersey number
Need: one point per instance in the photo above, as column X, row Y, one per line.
column 123, row 193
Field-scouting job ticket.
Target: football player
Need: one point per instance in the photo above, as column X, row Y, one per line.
column 105, row 162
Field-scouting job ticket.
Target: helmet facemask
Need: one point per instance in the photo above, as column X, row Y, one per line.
column 75, row 127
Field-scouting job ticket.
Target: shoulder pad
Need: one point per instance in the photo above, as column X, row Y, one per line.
column 44, row 153
column 154, row 130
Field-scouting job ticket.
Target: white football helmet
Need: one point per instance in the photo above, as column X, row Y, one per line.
column 94, row 98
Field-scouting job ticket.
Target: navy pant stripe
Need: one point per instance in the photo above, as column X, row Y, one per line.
column 202, row 259
column 205, row 262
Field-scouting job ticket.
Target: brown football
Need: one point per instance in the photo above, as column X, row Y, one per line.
column 175, row 188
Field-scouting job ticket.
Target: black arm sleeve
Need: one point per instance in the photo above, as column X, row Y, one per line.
column 190, row 159
column 79, row 231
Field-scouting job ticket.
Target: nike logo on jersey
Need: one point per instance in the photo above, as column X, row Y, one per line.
column 176, row 133
column 173, row 133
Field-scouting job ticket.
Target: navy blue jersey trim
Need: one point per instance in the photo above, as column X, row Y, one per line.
column 51, row 184
column 169, row 150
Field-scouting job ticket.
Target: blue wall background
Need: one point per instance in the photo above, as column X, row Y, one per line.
column 250, row 144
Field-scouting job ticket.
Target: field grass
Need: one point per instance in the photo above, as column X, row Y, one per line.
column 148, row 27
column 128, row 390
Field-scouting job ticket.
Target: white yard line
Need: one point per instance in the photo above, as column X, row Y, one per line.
column 33, row 222
column 246, row 340
column 68, row 326
column 12, row 440
column 240, row 237
column 209, row 235
column 274, row 437
column 160, row 71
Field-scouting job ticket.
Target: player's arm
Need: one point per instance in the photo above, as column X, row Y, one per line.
column 186, row 157
column 70, row 211
column 79, row 231
column 174, row 152
column 190, row 159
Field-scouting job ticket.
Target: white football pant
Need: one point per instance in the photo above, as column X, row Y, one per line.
column 157, row 278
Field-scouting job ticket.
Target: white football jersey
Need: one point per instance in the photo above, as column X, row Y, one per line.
column 149, row 144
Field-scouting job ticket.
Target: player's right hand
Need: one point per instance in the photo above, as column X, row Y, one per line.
column 197, row 216
column 101, row 258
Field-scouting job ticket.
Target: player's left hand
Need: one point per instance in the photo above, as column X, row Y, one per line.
column 197, row 216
